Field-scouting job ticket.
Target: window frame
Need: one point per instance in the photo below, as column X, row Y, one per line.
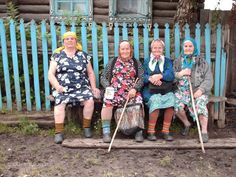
column 129, row 18
column 54, row 15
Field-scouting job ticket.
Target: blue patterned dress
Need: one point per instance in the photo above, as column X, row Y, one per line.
column 71, row 73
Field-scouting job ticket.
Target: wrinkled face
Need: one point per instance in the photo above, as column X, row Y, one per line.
column 70, row 42
column 157, row 48
column 188, row 48
column 125, row 50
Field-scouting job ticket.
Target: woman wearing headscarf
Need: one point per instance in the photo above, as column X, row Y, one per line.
column 158, row 89
column 73, row 82
column 120, row 75
column 190, row 64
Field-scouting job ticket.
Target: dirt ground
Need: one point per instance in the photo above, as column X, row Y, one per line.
column 38, row 156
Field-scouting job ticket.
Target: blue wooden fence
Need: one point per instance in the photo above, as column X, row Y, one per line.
column 25, row 59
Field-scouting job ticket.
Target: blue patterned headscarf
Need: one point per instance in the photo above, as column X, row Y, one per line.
column 188, row 59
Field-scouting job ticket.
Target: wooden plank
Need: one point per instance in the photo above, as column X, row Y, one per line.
column 39, row 9
column 116, row 40
column 105, row 44
column 167, row 40
column 101, row 3
column 136, row 41
column 198, row 37
column 125, row 32
column 177, row 41
column 38, row 2
column 84, row 36
column 160, row 144
column 217, row 99
column 165, row 5
column 231, row 101
column 146, row 41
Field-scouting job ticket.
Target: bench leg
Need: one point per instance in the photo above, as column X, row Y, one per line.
column 221, row 120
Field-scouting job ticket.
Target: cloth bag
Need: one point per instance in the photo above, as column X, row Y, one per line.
column 132, row 120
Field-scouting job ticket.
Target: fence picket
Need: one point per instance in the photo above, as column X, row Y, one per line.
column 53, row 35
column 95, row 52
column 156, row 31
column 45, row 64
column 136, row 41
column 84, row 37
column 167, row 40
column 105, row 44
column 125, row 32
column 15, row 65
column 5, row 66
column 177, row 41
column 25, row 66
column 116, row 39
column 198, row 37
column 186, row 30
column 208, row 43
column 222, row 72
column 35, row 65
column 145, row 42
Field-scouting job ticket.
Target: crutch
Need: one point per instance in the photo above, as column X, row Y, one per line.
column 118, row 124
column 195, row 113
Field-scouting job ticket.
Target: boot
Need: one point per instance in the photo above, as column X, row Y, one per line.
column 106, row 138
column 151, row 137
column 87, row 132
column 168, row 137
column 59, row 137
column 139, row 136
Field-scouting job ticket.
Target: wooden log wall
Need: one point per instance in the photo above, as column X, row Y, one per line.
column 3, row 8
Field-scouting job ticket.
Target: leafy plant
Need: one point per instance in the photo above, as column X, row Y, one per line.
column 27, row 127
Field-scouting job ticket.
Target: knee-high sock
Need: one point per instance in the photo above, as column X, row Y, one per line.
column 106, row 124
column 86, row 123
column 152, row 121
column 59, row 127
column 167, row 120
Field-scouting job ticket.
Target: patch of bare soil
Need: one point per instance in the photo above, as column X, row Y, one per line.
column 38, row 156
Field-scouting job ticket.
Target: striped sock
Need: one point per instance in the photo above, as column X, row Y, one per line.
column 106, row 126
column 152, row 124
column 59, row 127
column 166, row 127
column 86, row 123
column 167, row 120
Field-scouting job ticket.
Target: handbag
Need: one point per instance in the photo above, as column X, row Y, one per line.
column 132, row 120
column 162, row 89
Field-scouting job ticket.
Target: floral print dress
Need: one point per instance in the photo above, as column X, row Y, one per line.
column 122, row 81
column 71, row 73
column 183, row 97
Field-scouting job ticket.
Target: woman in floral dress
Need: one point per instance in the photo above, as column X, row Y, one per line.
column 120, row 74
column 190, row 64
column 73, row 82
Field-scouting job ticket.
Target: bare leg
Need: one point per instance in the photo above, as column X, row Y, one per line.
column 203, row 121
column 106, row 113
column 59, row 113
column 183, row 117
column 88, row 109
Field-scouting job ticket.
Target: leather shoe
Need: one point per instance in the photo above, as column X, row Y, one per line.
column 168, row 137
column 139, row 136
column 151, row 137
column 87, row 132
column 59, row 137
column 185, row 131
column 106, row 138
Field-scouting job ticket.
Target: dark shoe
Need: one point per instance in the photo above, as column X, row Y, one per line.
column 59, row 137
column 205, row 137
column 151, row 137
column 168, row 137
column 87, row 132
column 185, row 131
column 106, row 138
column 139, row 136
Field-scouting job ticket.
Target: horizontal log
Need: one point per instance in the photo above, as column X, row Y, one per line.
column 217, row 99
column 36, row 17
column 100, row 18
column 163, row 13
column 100, row 11
column 160, row 144
column 231, row 101
column 31, row 2
column 40, row 9
column 3, row 8
column 101, row 3
column 162, row 21
column 164, row 5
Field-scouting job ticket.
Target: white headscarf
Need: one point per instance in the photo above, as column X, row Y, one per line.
column 153, row 62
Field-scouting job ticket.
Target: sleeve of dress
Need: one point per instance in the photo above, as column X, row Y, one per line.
column 177, row 67
column 168, row 74
column 146, row 73
column 138, row 86
column 207, row 84
column 106, row 74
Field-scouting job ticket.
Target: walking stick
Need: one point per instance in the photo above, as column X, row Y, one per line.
column 118, row 124
column 195, row 113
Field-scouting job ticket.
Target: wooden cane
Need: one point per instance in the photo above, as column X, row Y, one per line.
column 195, row 113
column 118, row 124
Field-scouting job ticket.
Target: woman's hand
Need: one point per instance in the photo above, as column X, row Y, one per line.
column 132, row 93
column 60, row 89
column 197, row 94
column 185, row 72
column 96, row 93
column 156, row 79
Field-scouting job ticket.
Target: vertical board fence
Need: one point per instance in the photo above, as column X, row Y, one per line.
column 26, row 49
